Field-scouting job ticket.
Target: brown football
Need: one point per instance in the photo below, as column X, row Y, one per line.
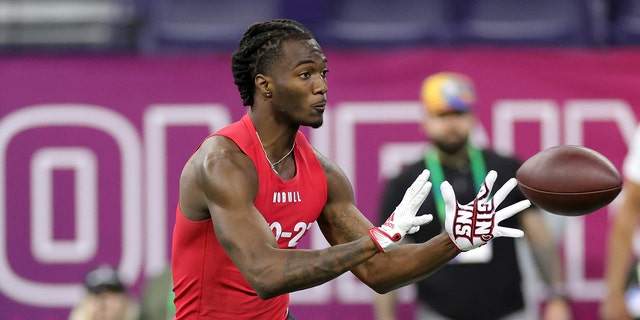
column 569, row 180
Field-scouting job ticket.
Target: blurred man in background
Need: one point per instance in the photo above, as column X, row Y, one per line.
column 106, row 299
column 484, row 283
column 620, row 251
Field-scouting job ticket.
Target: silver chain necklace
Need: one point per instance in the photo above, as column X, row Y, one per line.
column 273, row 164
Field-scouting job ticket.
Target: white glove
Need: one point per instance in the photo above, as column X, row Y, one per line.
column 403, row 220
column 474, row 224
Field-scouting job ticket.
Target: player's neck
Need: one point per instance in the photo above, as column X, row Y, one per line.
column 275, row 136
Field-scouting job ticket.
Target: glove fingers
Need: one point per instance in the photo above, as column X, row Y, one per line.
column 417, row 186
column 508, row 232
column 511, row 210
column 413, row 230
column 422, row 194
column 502, row 193
column 490, row 179
column 422, row 219
column 487, row 186
column 418, row 221
column 449, row 196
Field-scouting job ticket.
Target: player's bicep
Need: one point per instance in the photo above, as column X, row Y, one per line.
column 227, row 179
column 229, row 184
column 341, row 221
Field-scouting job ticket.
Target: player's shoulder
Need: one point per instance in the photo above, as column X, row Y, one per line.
column 218, row 146
column 329, row 166
column 216, row 151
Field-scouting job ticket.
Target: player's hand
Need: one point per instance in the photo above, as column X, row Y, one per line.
column 476, row 223
column 404, row 220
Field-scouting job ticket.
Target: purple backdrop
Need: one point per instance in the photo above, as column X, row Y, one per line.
column 92, row 148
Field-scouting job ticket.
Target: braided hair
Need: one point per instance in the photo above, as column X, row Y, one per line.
column 259, row 49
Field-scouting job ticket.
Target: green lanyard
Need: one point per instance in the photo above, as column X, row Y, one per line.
column 432, row 162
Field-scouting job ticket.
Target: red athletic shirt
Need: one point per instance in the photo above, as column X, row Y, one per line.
column 206, row 283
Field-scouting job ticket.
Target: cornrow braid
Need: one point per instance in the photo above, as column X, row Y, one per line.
column 259, row 48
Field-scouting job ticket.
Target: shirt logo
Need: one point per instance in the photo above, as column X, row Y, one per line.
column 286, row 197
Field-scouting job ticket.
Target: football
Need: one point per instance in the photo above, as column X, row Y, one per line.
column 569, row 180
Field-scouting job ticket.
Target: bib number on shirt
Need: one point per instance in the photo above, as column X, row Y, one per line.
column 298, row 232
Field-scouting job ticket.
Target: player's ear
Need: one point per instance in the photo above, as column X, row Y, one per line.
column 262, row 83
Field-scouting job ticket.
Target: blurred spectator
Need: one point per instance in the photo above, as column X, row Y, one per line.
column 619, row 257
column 484, row 283
column 157, row 299
column 106, row 299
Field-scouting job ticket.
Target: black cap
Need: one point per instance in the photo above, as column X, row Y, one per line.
column 104, row 278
